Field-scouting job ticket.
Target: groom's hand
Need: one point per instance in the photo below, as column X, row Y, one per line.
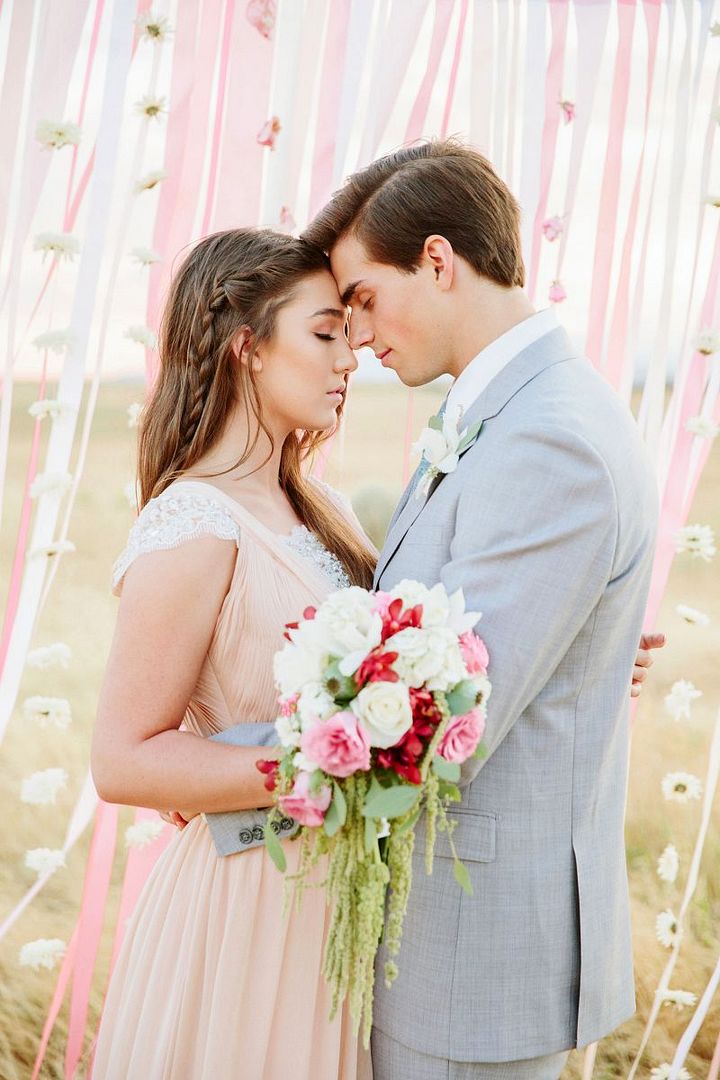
column 644, row 660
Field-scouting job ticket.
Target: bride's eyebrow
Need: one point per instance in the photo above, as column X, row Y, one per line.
column 334, row 313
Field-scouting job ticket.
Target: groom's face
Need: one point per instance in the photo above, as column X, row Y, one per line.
column 395, row 314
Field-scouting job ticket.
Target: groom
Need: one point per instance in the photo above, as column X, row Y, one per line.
column 547, row 522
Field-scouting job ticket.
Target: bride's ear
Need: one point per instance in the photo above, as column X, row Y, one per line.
column 242, row 347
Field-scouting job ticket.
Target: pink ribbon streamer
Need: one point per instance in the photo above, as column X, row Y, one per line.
column 66, row 970
column 553, row 96
column 610, row 186
column 219, row 114
column 416, row 124
column 89, row 929
column 329, row 103
column 452, row 81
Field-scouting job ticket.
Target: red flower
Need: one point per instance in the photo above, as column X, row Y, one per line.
column 396, row 619
column 403, row 758
column 270, row 770
column 309, row 613
column 288, row 627
column 377, row 668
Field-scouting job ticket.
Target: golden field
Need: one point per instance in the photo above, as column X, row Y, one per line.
column 365, row 463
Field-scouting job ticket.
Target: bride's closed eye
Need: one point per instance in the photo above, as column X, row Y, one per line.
column 325, row 337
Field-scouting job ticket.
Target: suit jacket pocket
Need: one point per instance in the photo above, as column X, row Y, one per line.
column 474, row 836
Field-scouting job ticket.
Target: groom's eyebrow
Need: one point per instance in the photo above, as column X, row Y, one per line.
column 350, row 291
column 333, row 312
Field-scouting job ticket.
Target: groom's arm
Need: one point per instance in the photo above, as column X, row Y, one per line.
column 533, row 550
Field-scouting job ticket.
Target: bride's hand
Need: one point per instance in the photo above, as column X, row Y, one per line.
column 644, row 660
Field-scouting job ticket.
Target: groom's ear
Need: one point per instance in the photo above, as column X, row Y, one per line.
column 439, row 256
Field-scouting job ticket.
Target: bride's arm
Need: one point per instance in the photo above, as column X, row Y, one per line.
column 168, row 612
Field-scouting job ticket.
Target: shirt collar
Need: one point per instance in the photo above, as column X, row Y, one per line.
column 491, row 360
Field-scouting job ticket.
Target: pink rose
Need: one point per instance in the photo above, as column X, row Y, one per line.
column 302, row 805
column 338, row 745
column 462, row 736
column 474, row 653
column 557, row 293
column 552, row 227
column 381, row 603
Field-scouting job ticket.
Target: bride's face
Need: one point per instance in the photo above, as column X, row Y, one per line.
column 302, row 372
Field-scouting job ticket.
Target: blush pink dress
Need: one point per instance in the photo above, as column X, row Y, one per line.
column 214, row 981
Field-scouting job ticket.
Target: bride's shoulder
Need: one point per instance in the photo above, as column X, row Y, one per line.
column 181, row 513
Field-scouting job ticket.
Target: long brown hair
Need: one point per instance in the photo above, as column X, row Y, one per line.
column 440, row 186
column 233, row 279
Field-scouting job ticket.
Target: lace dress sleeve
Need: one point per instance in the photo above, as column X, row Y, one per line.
column 172, row 519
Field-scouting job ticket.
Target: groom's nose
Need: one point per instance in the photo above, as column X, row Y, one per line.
column 359, row 332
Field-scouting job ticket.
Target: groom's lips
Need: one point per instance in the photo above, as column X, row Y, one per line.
column 383, row 356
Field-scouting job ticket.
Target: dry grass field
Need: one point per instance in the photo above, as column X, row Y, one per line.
column 367, row 465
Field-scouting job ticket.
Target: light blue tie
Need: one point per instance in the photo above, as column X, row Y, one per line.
column 424, row 464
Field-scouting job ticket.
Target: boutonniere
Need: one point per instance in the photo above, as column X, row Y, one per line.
column 441, row 443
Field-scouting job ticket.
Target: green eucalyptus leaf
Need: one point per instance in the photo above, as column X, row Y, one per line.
column 462, row 877
column 446, row 770
column 390, row 802
column 469, row 437
column 409, row 824
column 449, row 791
column 339, row 802
column 274, row 847
column 332, row 821
column 480, row 751
column 462, row 698
column 435, row 422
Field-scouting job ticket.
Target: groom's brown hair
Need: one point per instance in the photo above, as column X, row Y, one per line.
column 440, row 186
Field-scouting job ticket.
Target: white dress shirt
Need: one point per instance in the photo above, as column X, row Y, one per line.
column 490, row 361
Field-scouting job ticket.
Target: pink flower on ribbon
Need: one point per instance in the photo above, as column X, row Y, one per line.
column 303, row 805
column 269, row 132
column 339, row 746
column 552, row 227
column 568, row 108
column 286, row 218
column 462, row 736
column 262, row 14
column 474, row 653
column 557, row 292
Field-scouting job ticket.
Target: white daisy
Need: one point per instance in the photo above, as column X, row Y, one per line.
column 60, row 245
column 662, row 1072
column 696, row 540
column 678, row 998
column 712, row 200
column 47, row 483
column 702, row 427
column 150, row 180
column 133, row 413
column 667, row 930
column 54, row 134
column 44, row 952
column 57, row 547
column 681, row 787
column 144, row 833
column 678, row 703
column 145, row 256
column 46, row 656
column 154, row 27
column 43, row 787
column 46, row 407
column 44, row 860
column 57, row 341
column 143, row 335
column 48, row 711
column 668, row 864
column 151, row 107
column 708, row 341
column 692, row 615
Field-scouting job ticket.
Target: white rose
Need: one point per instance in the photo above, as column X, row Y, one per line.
column 314, row 704
column 288, row 731
column 348, row 627
column 429, row 657
column 294, row 667
column 384, row 711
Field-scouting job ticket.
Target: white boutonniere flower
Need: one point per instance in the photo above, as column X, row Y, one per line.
column 441, row 443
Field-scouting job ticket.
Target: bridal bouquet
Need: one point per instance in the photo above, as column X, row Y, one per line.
column 382, row 698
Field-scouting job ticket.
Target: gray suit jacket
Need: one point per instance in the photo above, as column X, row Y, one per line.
column 548, row 524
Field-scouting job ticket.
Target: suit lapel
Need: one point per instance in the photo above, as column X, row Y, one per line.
column 551, row 349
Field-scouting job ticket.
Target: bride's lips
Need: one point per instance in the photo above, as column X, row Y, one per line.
column 339, row 393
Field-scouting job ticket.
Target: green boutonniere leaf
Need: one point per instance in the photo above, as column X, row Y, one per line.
column 435, row 422
column 470, row 436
